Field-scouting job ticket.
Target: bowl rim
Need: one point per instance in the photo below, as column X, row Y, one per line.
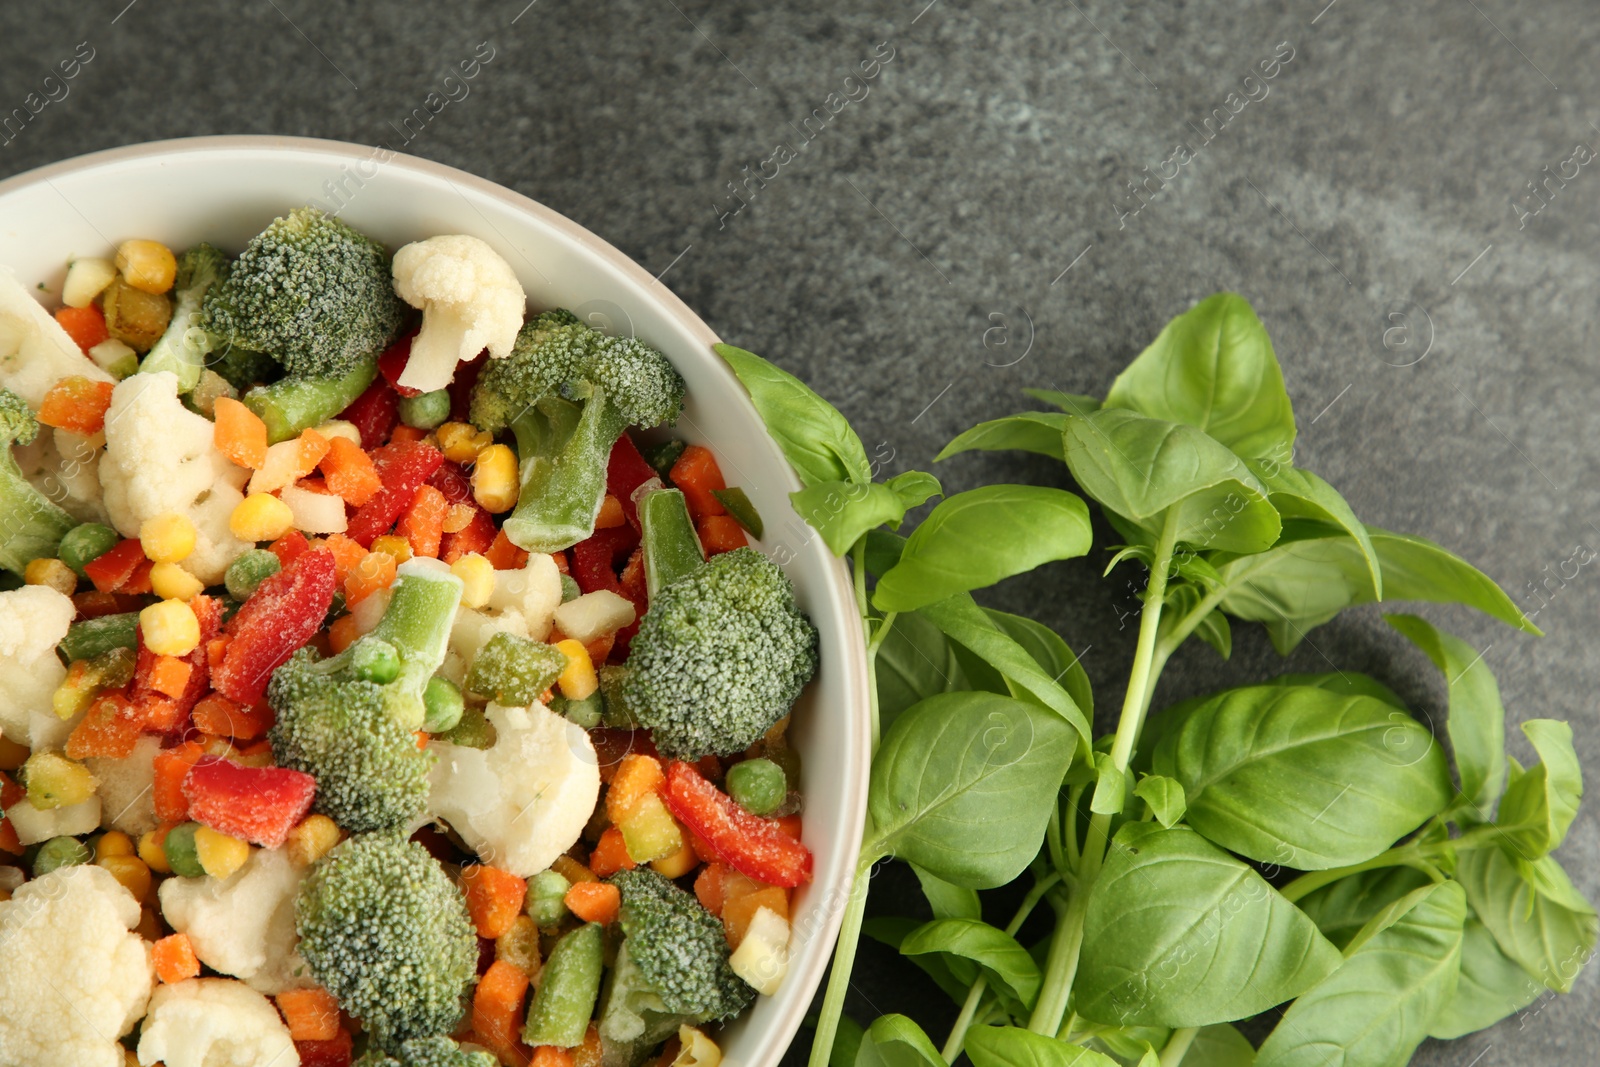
column 856, row 754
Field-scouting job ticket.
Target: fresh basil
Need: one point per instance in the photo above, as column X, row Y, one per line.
column 1299, row 494
column 842, row 511
column 1340, row 910
column 1220, row 1045
column 1110, row 786
column 1536, row 915
column 915, row 661
column 1165, row 797
column 817, row 441
column 1491, row 986
column 1345, row 683
column 948, row 901
column 1540, row 802
column 1011, row 1046
column 896, row 1041
column 996, row 953
column 1213, row 629
column 951, row 974
column 1027, row 431
column 1071, row 403
column 1049, row 651
column 846, row 1043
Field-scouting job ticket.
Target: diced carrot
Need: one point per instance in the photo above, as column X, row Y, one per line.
column 349, row 472
column 636, row 776
column 86, row 326
column 216, row 714
column 611, row 513
column 494, row 898
column 239, row 433
column 174, row 958
column 216, row 649
column 590, row 1053
column 422, row 524
column 708, row 887
column 9, row 842
column 108, row 729
column 551, row 1056
column 703, row 849
column 721, row 533
column 504, row 555
column 697, row 473
column 404, row 434
column 594, row 902
column 344, row 632
column 110, row 571
column 290, row 547
column 561, row 561
column 497, row 1008
column 75, row 403
column 311, row 1014
column 374, row 572
column 346, row 552
column 169, row 676
column 610, row 854
column 166, row 791
column 738, row 911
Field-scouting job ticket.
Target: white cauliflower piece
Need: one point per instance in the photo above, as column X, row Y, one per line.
column 534, row 592
column 214, row 1022
column 35, row 352
column 160, row 458
column 595, row 614
column 33, row 620
column 126, row 787
column 65, row 467
column 242, row 925
column 34, row 825
column 76, row 977
column 470, row 300
column 524, row 800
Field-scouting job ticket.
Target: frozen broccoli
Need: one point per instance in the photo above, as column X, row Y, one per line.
column 385, row 931
column 31, row 525
column 719, row 657
column 184, row 347
column 427, row 1052
column 568, row 392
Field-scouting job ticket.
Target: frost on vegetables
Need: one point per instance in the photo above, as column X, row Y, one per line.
column 314, row 662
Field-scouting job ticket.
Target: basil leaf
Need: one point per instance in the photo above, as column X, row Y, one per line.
column 1007, row 964
column 1477, row 722
column 896, row 1041
column 1130, row 1042
column 1377, row 1007
column 1340, row 910
column 1491, row 987
column 1220, row 1045
column 1535, row 914
column 1179, row 933
column 846, row 1042
column 1165, row 797
column 1071, row 403
column 842, row 511
column 1541, row 801
column 1213, row 368
column 1303, row 777
column 1026, row 431
column 1012, row 1046
column 1110, row 786
column 1299, row 494
column 1214, row 630
column 948, row 901
column 974, row 539
column 1141, row 468
column 953, row 975
column 1048, row 650
column 817, row 441
column 1345, row 683
column 915, row 661
column 963, row 784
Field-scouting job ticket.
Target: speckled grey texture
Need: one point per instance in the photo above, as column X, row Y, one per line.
column 1366, row 205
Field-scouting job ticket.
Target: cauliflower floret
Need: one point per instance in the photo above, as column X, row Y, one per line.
column 534, row 592
column 65, row 467
column 214, row 1022
column 160, row 458
column 35, row 352
column 242, row 925
column 126, row 787
column 33, row 620
column 470, row 300
column 34, row 825
column 523, row 801
column 75, row 977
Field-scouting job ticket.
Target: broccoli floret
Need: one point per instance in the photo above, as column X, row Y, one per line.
column 242, row 368
column 386, row 932
column 31, row 525
column 427, row 1052
column 568, row 392
column 184, row 346
column 720, row 656
column 349, row 721
column 311, row 292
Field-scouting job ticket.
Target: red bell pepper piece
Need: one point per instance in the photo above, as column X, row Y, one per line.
column 626, row 471
column 282, row 614
column 403, row 469
column 290, row 547
column 334, row 1052
column 259, row 804
column 110, row 571
column 478, row 534
column 374, row 413
column 393, row 362
column 594, row 561
column 158, row 712
column 748, row 843
column 92, row 603
column 453, row 482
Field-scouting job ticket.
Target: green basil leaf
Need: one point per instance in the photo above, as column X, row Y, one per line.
column 1492, row 986
column 1345, row 683
column 1214, row 630
column 1071, row 403
column 842, row 511
column 963, row 784
column 1026, row 431
column 953, row 975
column 1536, row 915
column 1213, row 368
column 1303, row 777
column 1477, row 722
column 1340, row 910
column 1165, row 797
column 1007, row 964
column 948, row 901
column 896, row 1041
column 974, row 539
column 1377, row 1007
column 1220, row 1045
column 1179, row 933
column 1050, row 652
column 1299, row 494
column 1141, row 468
column 817, row 441
column 847, row 1040
column 1128, row 1042
column 1541, row 801
column 915, row 661
column 1012, row 1046
column 1110, row 786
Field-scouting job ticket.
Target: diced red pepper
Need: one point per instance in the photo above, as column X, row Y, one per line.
column 334, row 1052
column 393, row 362
column 160, row 712
column 138, row 582
column 290, row 547
column 403, row 468
column 374, row 413
column 478, row 536
column 9, row 842
column 749, row 844
column 111, row 571
column 259, row 804
column 461, row 386
column 453, row 482
column 282, row 614
column 92, row 603
column 594, row 560
column 626, row 471
column 172, row 766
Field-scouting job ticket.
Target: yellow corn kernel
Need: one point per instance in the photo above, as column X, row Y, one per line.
column 131, row 871
column 153, row 852
column 494, row 479
column 113, row 843
column 51, row 572
column 312, row 840
column 86, row 278
column 169, row 628
column 147, row 265
column 171, row 582
column 477, row 579
column 695, row 1049
column 393, row 545
column 260, row 517
column 219, row 854
column 167, row 538
column 461, row 441
column 678, row 864
column 578, row 680
column 459, row 517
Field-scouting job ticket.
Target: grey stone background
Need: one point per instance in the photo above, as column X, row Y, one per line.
column 966, row 229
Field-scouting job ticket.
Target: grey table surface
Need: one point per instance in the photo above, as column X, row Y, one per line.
column 966, row 228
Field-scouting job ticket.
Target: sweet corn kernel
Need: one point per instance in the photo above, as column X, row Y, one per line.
column 678, row 864
column 171, row 582
column 51, row 572
column 260, row 517
column 578, row 680
column 494, row 479
column 477, row 579
column 85, row 280
column 153, row 852
column 695, row 1049
column 147, row 265
column 312, row 839
column 219, row 854
column 131, row 871
column 459, row 517
column 113, row 843
column 169, row 628
column 167, row 538
column 461, row 441
column 393, row 545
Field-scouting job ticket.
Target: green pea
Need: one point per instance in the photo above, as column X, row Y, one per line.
column 247, row 572
column 570, row 590
column 442, row 705
column 182, row 856
column 59, row 852
column 426, row 410
column 373, row 659
column 85, row 544
column 757, row 785
column 585, row 713
column 547, row 893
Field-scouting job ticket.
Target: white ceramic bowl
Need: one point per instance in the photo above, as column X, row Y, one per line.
column 226, row 189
